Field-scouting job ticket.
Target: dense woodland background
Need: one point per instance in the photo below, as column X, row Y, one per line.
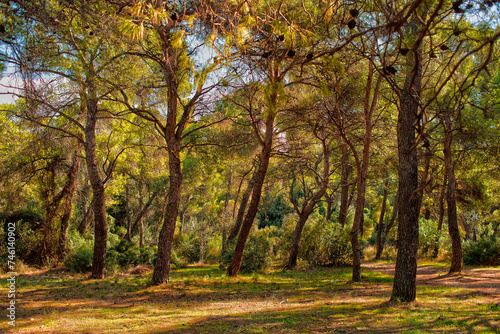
column 248, row 133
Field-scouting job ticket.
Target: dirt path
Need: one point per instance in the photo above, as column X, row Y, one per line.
column 485, row 281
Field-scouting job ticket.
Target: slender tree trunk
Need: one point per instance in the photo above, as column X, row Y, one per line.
column 68, row 192
column 404, row 288
column 51, row 204
column 389, row 225
column 87, row 218
column 456, row 245
column 128, row 235
column 369, row 109
column 442, row 194
column 380, row 226
column 140, row 215
column 265, row 155
column 344, row 185
column 226, row 217
column 99, row 198
column 241, row 210
column 173, row 136
column 308, row 207
column 329, row 207
column 154, row 241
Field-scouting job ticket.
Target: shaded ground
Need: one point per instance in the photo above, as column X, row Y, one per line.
column 203, row 300
column 482, row 280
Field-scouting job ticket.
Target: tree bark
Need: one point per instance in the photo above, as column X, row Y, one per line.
column 344, row 185
column 404, row 288
column 442, row 194
column 99, row 198
column 241, row 210
column 173, row 136
column 369, row 109
column 389, row 225
column 381, row 218
column 456, row 245
column 265, row 156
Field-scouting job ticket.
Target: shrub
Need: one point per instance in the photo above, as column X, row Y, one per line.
column 80, row 260
column 482, row 252
column 187, row 247
column 29, row 234
column 323, row 243
column 259, row 251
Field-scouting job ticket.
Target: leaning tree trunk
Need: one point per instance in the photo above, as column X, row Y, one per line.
column 98, row 199
column 381, row 218
column 456, row 245
column 405, row 288
column 265, row 155
column 308, row 207
column 241, row 210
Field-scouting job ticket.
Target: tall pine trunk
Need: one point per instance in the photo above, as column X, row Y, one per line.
column 404, row 287
column 99, row 198
column 456, row 245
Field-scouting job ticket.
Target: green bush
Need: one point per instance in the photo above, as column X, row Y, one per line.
column 187, row 247
column 482, row 252
column 126, row 254
column 323, row 243
column 29, row 235
column 80, row 260
column 259, row 251
column 429, row 234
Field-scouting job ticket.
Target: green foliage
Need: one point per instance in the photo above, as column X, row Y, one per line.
column 80, row 260
column 127, row 254
column 29, row 235
column 485, row 251
column 429, row 234
column 187, row 247
column 260, row 250
column 323, row 243
column 271, row 213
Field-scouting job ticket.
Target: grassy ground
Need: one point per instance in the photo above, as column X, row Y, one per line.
column 201, row 299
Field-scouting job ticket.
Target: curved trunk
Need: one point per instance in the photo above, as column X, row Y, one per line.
column 241, row 210
column 265, row 155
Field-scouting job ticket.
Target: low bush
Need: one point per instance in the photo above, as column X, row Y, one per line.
column 259, row 250
column 482, row 252
column 329, row 247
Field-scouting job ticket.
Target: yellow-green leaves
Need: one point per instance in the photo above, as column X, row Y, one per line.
column 131, row 29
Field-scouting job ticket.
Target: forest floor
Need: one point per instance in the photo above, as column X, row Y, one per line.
column 201, row 299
